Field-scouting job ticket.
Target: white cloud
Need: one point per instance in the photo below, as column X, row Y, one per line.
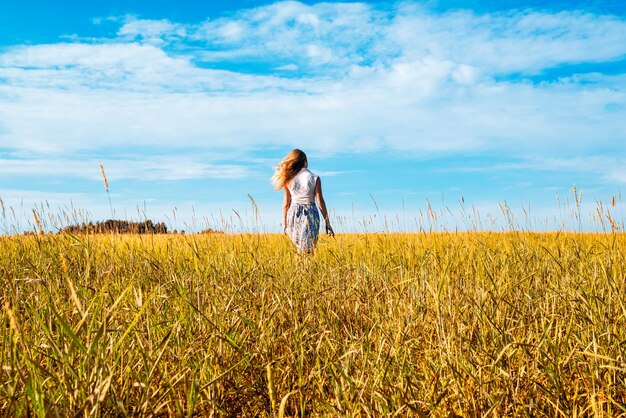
column 409, row 107
column 319, row 54
column 465, row 74
column 517, row 41
column 145, row 169
column 308, row 19
column 597, row 169
column 293, row 31
column 287, row 67
column 370, row 78
column 130, row 56
column 499, row 43
column 151, row 31
column 618, row 176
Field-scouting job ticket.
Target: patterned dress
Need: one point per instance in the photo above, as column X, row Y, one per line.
column 303, row 224
column 303, row 219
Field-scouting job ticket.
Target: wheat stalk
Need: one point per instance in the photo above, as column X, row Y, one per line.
column 106, row 187
column 37, row 223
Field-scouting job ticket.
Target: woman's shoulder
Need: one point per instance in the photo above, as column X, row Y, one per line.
column 311, row 174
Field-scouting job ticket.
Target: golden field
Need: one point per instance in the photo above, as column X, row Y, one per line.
column 430, row 324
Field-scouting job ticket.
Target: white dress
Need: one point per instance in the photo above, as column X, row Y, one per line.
column 303, row 219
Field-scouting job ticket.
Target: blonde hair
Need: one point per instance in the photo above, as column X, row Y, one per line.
column 288, row 168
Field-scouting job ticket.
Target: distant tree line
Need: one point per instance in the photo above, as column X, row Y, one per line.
column 118, row 226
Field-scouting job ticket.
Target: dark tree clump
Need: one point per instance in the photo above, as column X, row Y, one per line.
column 118, row 226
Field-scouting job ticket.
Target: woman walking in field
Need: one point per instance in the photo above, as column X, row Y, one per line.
column 300, row 217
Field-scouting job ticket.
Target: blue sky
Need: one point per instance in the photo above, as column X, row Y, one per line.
column 190, row 105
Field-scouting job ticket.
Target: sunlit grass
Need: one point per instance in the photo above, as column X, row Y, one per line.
column 372, row 324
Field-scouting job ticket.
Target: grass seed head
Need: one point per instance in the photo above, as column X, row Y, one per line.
column 104, row 176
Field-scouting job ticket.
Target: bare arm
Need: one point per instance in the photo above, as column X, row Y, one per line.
column 286, row 204
column 322, row 204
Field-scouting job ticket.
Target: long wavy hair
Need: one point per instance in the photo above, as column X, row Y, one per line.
column 288, row 168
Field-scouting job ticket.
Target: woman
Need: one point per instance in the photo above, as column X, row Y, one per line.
column 300, row 217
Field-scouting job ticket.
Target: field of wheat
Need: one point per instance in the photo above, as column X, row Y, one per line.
column 430, row 324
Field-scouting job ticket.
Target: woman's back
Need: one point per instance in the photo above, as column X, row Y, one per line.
column 302, row 187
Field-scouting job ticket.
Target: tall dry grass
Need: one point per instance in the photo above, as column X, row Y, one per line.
column 430, row 324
